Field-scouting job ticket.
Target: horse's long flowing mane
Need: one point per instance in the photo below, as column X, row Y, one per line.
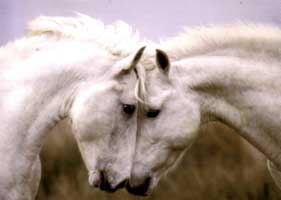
column 118, row 38
column 202, row 40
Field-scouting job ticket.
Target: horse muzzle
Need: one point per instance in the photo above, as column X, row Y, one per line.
column 141, row 180
column 141, row 189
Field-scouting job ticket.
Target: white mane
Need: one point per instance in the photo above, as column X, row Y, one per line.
column 119, row 38
column 203, row 40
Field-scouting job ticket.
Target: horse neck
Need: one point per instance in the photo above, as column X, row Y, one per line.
column 241, row 90
column 37, row 91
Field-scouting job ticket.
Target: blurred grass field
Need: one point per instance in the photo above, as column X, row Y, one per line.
column 219, row 166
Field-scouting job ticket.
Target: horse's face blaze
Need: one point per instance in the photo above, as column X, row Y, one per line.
column 104, row 131
column 163, row 138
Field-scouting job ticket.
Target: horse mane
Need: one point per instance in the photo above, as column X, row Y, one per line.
column 203, row 40
column 118, row 38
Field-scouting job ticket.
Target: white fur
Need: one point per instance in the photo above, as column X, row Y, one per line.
column 66, row 68
column 230, row 74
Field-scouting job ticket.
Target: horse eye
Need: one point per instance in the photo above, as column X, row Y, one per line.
column 152, row 113
column 128, row 109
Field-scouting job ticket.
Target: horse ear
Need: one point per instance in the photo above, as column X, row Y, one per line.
column 130, row 62
column 137, row 57
column 162, row 60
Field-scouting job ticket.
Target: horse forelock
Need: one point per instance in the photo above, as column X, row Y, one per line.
column 147, row 64
column 140, row 89
column 119, row 38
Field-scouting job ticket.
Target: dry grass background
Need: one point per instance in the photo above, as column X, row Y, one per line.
column 219, row 166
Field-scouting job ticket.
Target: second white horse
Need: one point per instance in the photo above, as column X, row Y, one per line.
column 230, row 74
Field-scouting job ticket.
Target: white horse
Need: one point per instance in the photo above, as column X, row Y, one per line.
column 68, row 68
column 230, row 74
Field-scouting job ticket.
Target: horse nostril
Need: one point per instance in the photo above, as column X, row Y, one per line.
column 140, row 190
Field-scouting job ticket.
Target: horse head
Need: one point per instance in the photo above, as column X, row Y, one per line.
column 104, row 122
column 167, row 125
